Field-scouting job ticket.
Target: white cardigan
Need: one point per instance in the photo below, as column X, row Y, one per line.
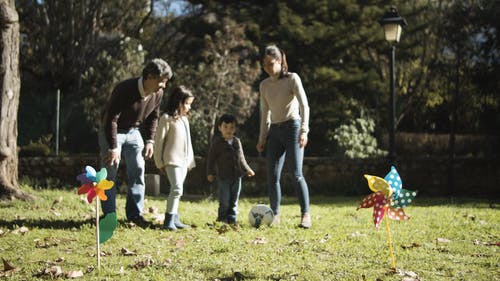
column 171, row 139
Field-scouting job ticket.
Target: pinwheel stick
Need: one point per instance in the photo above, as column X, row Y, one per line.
column 389, row 241
column 97, row 233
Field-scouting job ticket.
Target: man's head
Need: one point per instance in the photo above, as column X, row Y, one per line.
column 227, row 126
column 156, row 74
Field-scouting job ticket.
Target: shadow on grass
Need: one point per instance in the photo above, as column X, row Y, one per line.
column 64, row 224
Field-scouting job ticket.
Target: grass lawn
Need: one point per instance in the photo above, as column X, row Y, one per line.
column 53, row 237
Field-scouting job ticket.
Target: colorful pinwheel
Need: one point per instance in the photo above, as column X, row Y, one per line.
column 389, row 197
column 94, row 184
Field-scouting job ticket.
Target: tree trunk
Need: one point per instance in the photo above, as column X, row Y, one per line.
column 9, row 100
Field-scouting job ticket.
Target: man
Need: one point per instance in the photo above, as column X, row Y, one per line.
column 133, row 103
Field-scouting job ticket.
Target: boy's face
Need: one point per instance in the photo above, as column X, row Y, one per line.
column 227, row 130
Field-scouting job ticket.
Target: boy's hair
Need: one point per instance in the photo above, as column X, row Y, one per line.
column 157, row 68
column 227, row 118
column 278, row 54
column 178, row 96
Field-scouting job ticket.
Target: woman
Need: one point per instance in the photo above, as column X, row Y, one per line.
column 284, row 125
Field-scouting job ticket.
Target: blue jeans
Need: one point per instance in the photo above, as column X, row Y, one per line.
column 130, row 145
column 283, row 141
column 229, row 192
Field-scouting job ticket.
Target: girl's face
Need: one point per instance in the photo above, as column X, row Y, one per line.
column 186, row 106
column 272, row 66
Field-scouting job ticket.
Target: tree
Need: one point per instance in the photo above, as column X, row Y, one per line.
column 10, row 83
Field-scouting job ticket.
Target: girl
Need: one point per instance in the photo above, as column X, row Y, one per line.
column 284, row 125
column 173, row 152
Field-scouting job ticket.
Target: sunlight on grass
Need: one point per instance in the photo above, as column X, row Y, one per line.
column 444, row 240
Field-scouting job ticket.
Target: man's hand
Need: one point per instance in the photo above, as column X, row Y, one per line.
column 260, row 147
column 148, row 150
column 112, row 158
column 210, row 178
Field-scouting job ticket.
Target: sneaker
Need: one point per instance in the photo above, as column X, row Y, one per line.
column 140, row 222
column 305, row 221
column 277, row 219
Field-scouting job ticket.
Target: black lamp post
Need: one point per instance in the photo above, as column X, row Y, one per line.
column 393, row 24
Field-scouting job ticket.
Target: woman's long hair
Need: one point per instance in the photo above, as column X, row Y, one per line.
column 176, row 99
column 278, row 54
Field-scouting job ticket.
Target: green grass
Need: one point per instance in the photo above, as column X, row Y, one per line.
column 444, row 240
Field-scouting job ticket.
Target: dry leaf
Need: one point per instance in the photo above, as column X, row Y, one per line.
column 258, row 240
column 21, row 230
column 7, row 266
column 127, row 252
column 412, row 245
column 325, row 238
column 57, row 201
column 121, row 271
column 1, row 232
column 180, row 243
column 443, row 240
column 74, row 274
column 153, row 210
column 53, row 271
column 141, row 264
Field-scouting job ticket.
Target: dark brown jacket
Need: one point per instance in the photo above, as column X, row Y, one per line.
column 226, row 161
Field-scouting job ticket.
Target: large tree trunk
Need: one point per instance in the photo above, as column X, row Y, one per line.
column 9, row 99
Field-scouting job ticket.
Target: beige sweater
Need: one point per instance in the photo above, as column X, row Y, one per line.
column 282, row 100
column 171, row 146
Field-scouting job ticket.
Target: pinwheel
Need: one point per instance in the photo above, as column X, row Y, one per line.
column 94, row 185
column 388, row 197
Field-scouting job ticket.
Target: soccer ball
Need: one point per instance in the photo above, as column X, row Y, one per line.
column 260, row 215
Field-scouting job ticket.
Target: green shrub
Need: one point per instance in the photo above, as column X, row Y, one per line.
column 35, row 149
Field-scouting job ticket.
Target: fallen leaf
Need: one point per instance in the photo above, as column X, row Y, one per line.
column 153, row 210
column 74, row 274
column 1, row 232
column 21, row 230
column 56, row 213
column 443, row 240
column 53, row 271
column 412, row 245
column 57, row 201
column 180, row 243
column 258, row 240
column 121, row 271
column 127, row 252
column 142, row 264
column 357, row 233
column 325, row 238
column 7, row 266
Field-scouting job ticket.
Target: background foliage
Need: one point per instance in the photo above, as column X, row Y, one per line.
column 447, row 62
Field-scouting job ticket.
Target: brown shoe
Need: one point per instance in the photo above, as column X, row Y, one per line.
column 277, row 219
column 305, row 221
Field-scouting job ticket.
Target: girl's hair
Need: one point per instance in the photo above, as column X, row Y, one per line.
column 176, row 99
column 278, row 54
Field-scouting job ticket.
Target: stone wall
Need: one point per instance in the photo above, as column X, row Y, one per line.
column 326, row 176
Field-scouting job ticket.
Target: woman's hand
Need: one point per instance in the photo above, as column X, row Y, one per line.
column 302, row 140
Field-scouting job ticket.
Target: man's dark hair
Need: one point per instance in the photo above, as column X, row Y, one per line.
column 227, row 118
column 157, row 68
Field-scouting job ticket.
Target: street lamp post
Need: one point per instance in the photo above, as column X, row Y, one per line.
column 393, row 24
